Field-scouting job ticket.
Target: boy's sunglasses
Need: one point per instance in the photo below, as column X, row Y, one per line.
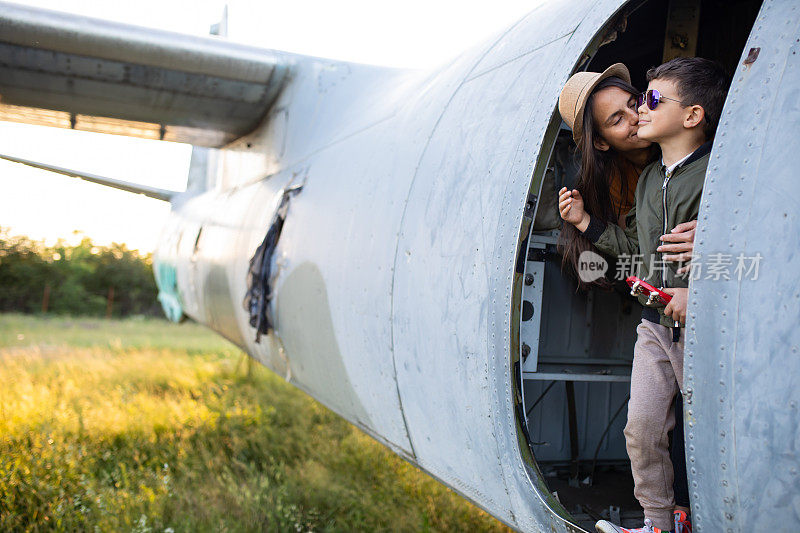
column 653, row 98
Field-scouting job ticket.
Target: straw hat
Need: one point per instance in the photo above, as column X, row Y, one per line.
column 577, row 90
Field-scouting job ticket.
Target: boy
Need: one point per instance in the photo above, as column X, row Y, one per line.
column 679, row 111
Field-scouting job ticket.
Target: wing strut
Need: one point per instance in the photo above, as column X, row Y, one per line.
column 152, row 192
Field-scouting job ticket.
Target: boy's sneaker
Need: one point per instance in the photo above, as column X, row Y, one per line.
column 683, row 523
column 604, row 526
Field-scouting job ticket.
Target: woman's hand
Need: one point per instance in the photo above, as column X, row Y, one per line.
column 683, row 237
column 676, row 308
column 570, row 205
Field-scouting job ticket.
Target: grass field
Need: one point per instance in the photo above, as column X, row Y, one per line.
column 146, row 426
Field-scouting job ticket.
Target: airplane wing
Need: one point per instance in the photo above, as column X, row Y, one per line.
column 71, row 71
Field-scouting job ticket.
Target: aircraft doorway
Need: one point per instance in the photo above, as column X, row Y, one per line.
column 576, row 347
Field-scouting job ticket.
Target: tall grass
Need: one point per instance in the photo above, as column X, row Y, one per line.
column 147, row 426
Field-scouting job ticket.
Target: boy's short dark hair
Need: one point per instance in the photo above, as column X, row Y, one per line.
column 700, row 82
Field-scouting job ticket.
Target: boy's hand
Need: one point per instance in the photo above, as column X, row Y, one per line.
column 570, row 205
column 676, row 308
column 683, row 237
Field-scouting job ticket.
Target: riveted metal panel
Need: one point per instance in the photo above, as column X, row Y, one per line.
column 741, row 364
column 552, row 20
column 454, row 269
column 530, row 160
column 442, row 277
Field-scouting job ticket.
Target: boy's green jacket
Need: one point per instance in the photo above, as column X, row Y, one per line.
column 659, row 206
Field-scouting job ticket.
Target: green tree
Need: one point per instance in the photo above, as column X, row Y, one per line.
column 79, row 279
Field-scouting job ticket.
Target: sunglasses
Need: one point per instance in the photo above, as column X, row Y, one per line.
column 653, row 98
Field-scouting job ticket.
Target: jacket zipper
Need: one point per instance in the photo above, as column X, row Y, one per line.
column 667, row 176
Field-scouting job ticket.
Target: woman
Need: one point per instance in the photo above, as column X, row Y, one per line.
column 601, row 110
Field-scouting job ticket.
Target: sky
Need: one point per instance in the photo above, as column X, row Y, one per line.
column 47, row 206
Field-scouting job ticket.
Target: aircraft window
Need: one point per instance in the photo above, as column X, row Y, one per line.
column 576, row 347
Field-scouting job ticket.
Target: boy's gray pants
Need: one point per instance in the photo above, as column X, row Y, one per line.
column 657, row 370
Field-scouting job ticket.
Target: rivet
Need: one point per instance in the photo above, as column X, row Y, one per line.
column 694, row 484
column 724, row 483
column 723, row 466
column 691, row 447
column 722, row 450
column 691, row 458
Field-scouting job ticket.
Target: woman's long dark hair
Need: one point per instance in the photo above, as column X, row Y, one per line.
column 594, row 180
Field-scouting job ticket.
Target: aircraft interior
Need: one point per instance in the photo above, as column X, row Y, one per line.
column 576, row 347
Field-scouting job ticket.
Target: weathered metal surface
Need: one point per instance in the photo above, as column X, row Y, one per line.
column 455, row 260
column 743, row 425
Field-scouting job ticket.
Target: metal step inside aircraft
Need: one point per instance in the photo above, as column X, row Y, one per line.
column 414, row 286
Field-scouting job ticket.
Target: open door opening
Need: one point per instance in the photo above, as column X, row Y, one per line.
column 576, row 347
